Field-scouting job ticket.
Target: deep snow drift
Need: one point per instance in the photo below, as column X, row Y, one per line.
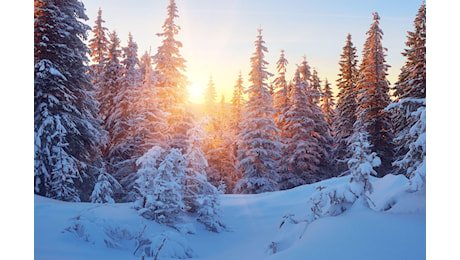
column 115, row 231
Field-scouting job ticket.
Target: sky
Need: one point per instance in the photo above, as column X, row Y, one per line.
column 218, row 36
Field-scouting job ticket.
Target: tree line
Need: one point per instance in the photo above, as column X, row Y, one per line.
column 119, row 130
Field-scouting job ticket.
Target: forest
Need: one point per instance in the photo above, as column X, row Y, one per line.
column 114, row 126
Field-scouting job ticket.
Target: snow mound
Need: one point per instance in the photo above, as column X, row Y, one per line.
column 65, row 230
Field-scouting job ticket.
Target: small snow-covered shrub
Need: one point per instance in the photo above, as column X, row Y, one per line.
column 99, row 231
column 161, row 187
column 168, row 244
column 333, row 201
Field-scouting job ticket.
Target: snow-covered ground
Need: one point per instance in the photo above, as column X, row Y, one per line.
column 88, row 231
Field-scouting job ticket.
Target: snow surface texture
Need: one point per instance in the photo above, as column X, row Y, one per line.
column 395, row 228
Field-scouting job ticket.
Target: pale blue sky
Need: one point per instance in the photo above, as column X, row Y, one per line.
column 218, row 36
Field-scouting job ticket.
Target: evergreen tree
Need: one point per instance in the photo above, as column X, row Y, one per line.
column 210, row 98
column 103, row 191
column 67, row 134
column 110, row 79
column 301, row 151
column 154, row 126
column 222, row 111
column 373, row 97
column 410, row 90
column 145, row 66
column 161, row 185
column 328, row 103
column 98, row 45
column 125, row 121
column 170, row 65
column 231, row 140
column 200, row 197
column 315, row 86
column 171, row 84
column 258, row 143
column 322, row 130
column 226, row 152
column 237, row 103
column 281, row 96
column 346, row 103
column 412, row 79
column 220, row 151
column 361, row 165
column 413, row 163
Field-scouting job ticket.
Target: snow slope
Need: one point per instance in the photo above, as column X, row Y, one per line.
column 87, row 231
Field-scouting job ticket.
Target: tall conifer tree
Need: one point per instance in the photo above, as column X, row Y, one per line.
column 110, row 79
column 200, row 196
column 373, row 97
column 258, row 143
column 346, row 103
column 154, row 125
column 412, row 79
column 66, row 132
column 322, row 130
column 237, row 103
column 125, row 120
column 410, row 93
column 170, row 66
column 210, row 97
column 315, row 86
column 328, row 103
column 301, row 149
column 281, row 96
column 98, row 45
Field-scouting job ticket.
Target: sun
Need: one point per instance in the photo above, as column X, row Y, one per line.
column 196, row 93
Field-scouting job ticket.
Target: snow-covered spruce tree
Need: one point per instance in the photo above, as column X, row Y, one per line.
column 200, row 196
column 98, row 46
column 373, row 97
column 210, row 96
column 322, row 130
column 109, row 79
column 220, row 151
column 226, row 151
column 124, row 122
column 328, row 104
column 67, row 134
column 413, row 162
column 160, row 183
column 315, row 86
column 301, row 150
column 361, row 165
column 212, row 142
column 237, row 107
column 154, row 127
column 103, row 191
column 258, row 144
column 346, row 103
column 170, row 66
column 410, row 90
column 412, row 79
column 281, row 96
column 334, row 200
column 237, row 103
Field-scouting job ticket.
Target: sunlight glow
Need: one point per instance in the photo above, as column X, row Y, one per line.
column 196, row 93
